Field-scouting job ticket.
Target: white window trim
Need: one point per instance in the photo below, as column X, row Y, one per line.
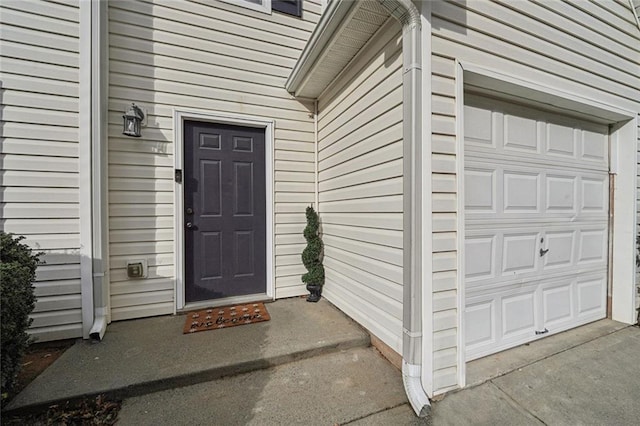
column 179, row 117
column 624, row 136
column 265, row 7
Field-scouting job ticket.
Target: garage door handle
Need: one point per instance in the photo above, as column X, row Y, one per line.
column 543, row 252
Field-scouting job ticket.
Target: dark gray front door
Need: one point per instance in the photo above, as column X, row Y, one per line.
column 224, row 211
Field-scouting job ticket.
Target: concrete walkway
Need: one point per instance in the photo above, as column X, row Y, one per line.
column 311, row 365
column 141, row 356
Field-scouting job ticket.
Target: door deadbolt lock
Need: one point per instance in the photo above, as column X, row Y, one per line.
column 189, row 210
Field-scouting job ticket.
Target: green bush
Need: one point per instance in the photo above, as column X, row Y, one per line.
column 17, row 273
column 311, row 255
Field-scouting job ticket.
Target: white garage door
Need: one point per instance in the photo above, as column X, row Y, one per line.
column 536, row 213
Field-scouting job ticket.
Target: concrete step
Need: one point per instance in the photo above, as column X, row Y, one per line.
column 149, row 355
column 331, row 389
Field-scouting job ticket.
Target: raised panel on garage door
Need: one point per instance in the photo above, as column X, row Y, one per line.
column 536, row 217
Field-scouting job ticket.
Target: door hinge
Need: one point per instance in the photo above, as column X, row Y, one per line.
column 178, row 175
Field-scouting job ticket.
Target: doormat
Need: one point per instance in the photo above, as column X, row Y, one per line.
column 225, row 317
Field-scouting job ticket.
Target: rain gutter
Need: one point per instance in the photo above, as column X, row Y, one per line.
column 336, row 14
column 94, row 159
column 409, row 16
column 84, row 169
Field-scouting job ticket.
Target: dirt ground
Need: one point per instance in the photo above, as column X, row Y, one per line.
column 38, row 357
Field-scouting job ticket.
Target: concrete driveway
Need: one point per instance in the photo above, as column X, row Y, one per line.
column 593, row 380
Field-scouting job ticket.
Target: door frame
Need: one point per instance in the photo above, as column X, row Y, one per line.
column 180, row 115
column 623, row 137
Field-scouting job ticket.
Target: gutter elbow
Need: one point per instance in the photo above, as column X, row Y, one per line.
column 413, row 388
column 99, row 326
column 404, row 11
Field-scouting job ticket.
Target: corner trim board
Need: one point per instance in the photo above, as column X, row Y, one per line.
column 462, row 365
column 427, row 205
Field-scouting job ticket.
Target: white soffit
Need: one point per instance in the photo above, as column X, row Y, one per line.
column 346, row 26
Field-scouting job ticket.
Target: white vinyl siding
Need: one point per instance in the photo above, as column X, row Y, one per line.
column 39, row 193
column 211, row 56
column 589, row 48
column 360, row 187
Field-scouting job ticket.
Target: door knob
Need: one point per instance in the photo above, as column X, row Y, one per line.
column 189, row 225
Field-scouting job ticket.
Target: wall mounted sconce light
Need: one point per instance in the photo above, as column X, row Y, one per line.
column 133, row 117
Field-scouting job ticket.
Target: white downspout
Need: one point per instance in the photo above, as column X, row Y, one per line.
column 85, row 171
column 409, row 16
column 99, row 119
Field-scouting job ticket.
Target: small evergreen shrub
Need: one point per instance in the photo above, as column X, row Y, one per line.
column 17, row 273
column 311, row 255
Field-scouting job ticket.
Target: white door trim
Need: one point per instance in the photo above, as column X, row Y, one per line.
column 179, row 117
column 624, row 137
